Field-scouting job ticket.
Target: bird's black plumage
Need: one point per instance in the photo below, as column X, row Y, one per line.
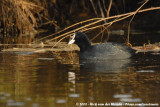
column 103, row 51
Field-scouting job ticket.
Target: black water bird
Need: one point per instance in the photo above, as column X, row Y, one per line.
column 102, row 51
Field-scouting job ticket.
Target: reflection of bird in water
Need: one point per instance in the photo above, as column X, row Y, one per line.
column 105, row 66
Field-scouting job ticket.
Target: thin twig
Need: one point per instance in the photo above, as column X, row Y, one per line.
column 93, row 25
column 76, row 24
column 94, row 8
column 109, row 8
column 133, row 18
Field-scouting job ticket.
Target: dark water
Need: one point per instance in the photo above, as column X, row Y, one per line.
column 58, row 80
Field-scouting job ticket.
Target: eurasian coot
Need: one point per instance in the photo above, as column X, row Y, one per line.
column 103, row 51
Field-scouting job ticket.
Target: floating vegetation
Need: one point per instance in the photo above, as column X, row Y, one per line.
column 45, row 58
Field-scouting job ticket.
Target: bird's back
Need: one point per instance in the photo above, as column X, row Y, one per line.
column 108, row 50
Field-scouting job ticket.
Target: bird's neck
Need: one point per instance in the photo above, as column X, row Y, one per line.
column 85, row 46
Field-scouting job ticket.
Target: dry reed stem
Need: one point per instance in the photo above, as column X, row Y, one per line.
column 94, row 8
column 95, row 21
column 101, row 10
column 76, row 24
column 18, row 14
column 81, row 28
column 108, row 23
column 109, row 8
column 104, row 6
column 127, row 42
column 86, row 30
column 105, row 28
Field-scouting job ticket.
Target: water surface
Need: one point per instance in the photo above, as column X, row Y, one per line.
column 58, row 79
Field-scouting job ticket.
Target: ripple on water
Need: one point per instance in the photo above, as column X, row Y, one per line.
column 2, row 98
column 133, row 100
column 28, row 99
column 145, row 71
column 45, row 58
column 10, row 101
column 74, row 95
column 35, row 105
column 60, row 101
column 15, row 103
column 122, row 95
column 127, row 98
column 4, row 95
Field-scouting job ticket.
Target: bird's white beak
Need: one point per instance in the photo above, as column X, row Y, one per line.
column 72, row 40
